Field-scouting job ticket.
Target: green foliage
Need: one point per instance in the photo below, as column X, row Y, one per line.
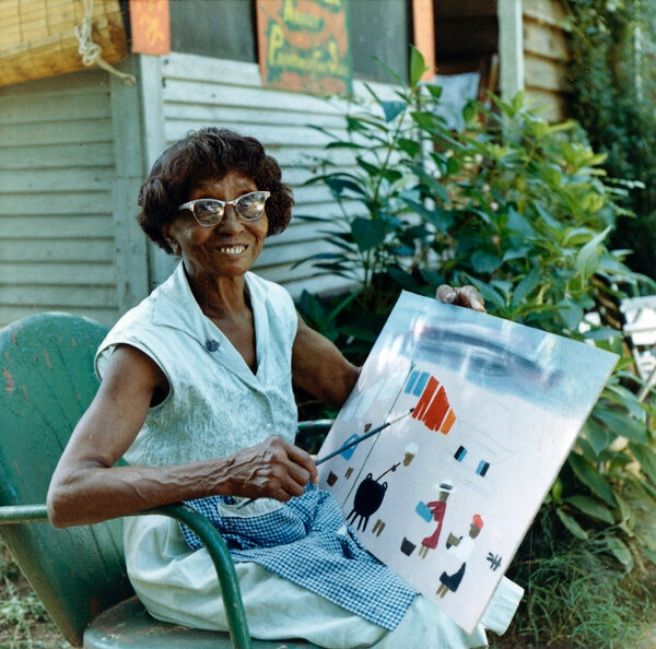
column 576, row 596
column 521, row 209
column 613, row 84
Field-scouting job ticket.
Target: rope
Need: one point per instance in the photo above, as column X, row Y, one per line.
column 91, row 52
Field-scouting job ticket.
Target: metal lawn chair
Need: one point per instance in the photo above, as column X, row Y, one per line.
column 46, row 363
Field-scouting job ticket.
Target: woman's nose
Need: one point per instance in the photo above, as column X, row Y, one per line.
column 230, row 221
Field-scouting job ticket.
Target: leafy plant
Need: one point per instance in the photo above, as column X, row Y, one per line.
column 521, row 209
column 613, row 84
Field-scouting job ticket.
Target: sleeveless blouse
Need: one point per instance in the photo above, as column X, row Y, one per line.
column 215, row 405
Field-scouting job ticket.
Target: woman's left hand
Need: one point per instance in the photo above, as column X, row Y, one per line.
column 466, row 296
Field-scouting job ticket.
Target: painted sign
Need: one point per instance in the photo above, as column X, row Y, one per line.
column 484, row 413
column 150, row 26
column 303, row 45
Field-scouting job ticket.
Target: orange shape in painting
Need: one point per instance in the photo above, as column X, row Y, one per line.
column 150, row 24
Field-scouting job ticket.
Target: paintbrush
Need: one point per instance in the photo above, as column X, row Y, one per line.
column 348, row 445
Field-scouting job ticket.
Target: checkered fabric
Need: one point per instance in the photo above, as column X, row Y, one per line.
column 306, row 541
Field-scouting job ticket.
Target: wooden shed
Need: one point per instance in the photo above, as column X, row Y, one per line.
column 75, row 148
column 515, row 46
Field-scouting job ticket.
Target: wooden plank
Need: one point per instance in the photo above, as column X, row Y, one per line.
column 130, row 249
column 553, row 105
column 545, row 41
column 107, row 315
column 280, row 136
column 550, row 12
column 89, row 203
column 82, row 82
column 224, row 115
column 45, row 132
column 215, row 93
column 291, row 252
column 90, row 296
column 59, row 180
column 545, row 74
column 55, row 226
column 15, row 110
column 423, row 27
column 79, row 250
column 154, row 138
column 33, row 157
column 82, row 274
column 319, row 284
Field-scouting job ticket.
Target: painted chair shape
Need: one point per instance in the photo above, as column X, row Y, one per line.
column 46, row 362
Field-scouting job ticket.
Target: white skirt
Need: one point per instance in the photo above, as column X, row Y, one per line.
column 180, row 586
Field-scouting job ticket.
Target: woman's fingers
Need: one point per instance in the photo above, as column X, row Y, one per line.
column 466, row 296
column 274, row 468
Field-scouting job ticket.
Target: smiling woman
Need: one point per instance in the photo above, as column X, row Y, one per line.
column 196, row 395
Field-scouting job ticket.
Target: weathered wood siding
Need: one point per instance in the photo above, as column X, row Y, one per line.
column 546, row 55
column 56, row 177
column 200, row 91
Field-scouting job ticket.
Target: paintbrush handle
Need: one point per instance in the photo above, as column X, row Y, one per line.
column 352, row 443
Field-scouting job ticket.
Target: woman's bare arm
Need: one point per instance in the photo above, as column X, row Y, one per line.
column 320, row 369
column 87, row 488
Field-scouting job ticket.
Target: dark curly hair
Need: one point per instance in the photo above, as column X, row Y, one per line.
column 209, row 153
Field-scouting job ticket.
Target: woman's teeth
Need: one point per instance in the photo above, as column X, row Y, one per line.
column 232, row 250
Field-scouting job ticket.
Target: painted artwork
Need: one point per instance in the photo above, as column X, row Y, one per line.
column 480, row 415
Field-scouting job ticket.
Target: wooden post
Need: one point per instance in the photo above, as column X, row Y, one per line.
column 129, row 242
column 424, row 34
column 511, row 47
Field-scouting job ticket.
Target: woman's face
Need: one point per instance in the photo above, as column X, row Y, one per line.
column 227, row 249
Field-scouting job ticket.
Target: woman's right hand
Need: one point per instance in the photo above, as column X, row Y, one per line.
column 273, row 468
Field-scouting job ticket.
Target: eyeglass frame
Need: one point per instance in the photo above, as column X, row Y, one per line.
column 190, row 205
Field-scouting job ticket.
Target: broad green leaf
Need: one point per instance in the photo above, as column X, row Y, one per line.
column 367, row 234
column 620, row 551
column 571, row 524
column 592, row 508
column 392, row 109
column 603, row 333
column 526, row 286
column 571, row 313
column 591, row 478
column 485, row 262
column 646, row 456
column 623, row 424
column 417, row 67
column 411, row 147
column 598, row 437
column 435, row 91
column 588, row 257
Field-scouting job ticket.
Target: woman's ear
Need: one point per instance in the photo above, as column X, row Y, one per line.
column 169, row 237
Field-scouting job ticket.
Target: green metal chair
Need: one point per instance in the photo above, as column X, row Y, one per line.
column 46, row 363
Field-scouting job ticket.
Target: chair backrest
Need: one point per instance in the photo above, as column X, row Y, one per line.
column 46, row 383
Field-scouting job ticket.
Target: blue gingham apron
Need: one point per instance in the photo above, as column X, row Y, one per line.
column 306, row 542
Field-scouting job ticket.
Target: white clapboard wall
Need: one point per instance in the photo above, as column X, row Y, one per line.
column 199, row 91
column 56, row 178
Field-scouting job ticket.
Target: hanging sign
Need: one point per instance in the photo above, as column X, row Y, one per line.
column 303, row 45
column 150, row 25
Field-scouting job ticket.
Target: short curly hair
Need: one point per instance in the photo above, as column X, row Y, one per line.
column 209, row 153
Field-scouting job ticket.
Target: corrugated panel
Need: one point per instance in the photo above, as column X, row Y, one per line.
column 200, row 91
column 56, row 174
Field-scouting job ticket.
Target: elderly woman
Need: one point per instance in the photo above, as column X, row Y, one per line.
column 196, row 395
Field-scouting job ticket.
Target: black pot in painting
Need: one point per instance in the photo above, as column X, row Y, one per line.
column 368, row 498
column 407, row 547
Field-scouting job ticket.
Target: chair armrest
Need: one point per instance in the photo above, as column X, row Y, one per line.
column 209, row 535
column 225, row 569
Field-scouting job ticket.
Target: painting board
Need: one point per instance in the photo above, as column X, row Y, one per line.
column 489, row 411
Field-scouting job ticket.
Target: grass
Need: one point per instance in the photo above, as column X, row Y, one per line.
column 24, row 623
column 577, row 596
